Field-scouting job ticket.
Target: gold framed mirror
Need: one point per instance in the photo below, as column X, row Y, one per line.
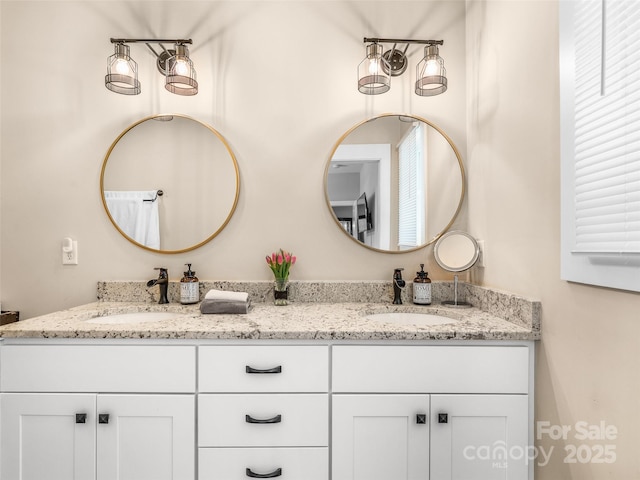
column 169, row 183
column 394, row 183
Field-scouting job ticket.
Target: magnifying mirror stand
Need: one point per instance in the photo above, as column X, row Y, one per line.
column 455, row 302
column 456, row 251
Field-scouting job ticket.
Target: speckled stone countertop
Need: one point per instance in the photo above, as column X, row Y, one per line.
column 498, row 316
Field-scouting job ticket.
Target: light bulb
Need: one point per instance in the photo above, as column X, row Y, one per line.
column 182, row 68
column 122, row 67
column 373, row 66
column 432, row 67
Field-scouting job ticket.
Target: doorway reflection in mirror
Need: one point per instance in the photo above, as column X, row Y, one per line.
column 405, row 173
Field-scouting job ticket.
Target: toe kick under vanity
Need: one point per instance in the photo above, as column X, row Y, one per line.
column 310, row 391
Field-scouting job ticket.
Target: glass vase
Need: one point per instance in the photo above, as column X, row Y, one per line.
column 281, row 291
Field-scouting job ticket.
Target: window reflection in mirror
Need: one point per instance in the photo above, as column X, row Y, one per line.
column 411, row 175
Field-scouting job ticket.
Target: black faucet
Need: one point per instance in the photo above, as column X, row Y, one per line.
column 163, row 284
column 398, row 285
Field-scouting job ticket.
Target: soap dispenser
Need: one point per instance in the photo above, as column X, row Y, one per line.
column 422, row 287
column 189, row 287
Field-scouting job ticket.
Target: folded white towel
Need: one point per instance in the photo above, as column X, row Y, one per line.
column 223, row 295
column 222, row 301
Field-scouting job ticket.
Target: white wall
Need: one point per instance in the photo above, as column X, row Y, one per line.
column 589, row 356
column 277, row 79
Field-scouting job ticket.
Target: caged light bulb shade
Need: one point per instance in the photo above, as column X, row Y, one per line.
column 122, row 72
column 431, row 76
column 373, row 72
column 181, row 76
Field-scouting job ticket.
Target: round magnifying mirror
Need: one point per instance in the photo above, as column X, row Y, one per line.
column 456, row 251
column 169, row 183
column 394, row 183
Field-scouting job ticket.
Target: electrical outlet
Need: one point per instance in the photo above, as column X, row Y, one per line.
column 70, row 256
column 482, row 257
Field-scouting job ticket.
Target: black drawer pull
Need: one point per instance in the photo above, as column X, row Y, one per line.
column 250, row 419
column 81, row 418
column 274, row 474
column 277, row 369
column 421, row 419
column 103, row 418
column 443, row 418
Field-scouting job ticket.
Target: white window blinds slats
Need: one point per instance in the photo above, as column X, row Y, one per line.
column 407, row 158
column 589, row 101
column 411, row 189
column 607, row 128
column 610, row 152
column 619, row 179
column 618, row 60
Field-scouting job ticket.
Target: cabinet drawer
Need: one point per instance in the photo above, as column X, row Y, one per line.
column 97, row 368
column 431, row 369
column 264, row 369
column 263, row 420
column 289, row 463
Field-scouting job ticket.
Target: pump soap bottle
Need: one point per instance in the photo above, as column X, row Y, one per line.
column 422, row 287
column 189, row 287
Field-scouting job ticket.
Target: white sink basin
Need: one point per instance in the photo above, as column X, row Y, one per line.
column 135, row 317
column 406, row 318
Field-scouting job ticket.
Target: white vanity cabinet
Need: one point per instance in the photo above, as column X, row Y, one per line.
column 83, row 412
column 236, row 410
column 263, row 412
column 431, row 412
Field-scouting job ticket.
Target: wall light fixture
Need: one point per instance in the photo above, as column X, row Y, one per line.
column 376, row 70
column 174, row 64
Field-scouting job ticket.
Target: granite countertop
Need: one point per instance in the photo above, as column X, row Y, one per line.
column 318, row 310
column 296, row 321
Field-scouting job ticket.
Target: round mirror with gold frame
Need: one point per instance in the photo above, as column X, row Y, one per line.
column 169, row 183
column 394, row 183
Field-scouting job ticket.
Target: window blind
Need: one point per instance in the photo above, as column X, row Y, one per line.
column 607, row 127
column 411, row 189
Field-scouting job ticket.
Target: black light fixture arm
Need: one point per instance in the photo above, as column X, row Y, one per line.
column 179, row 41
column 400, row 40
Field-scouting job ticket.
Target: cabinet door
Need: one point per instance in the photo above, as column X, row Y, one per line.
column 43, row 439
column 484, row 437
column 146, row 437
column 380, row 437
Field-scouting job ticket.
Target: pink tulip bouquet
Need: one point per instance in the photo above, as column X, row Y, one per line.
column 280, row 263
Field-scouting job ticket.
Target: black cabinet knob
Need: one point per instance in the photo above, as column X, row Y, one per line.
column 81, row 418
column 274, row 474
column 421, row 419
column 443, row 418
column 103, row 418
